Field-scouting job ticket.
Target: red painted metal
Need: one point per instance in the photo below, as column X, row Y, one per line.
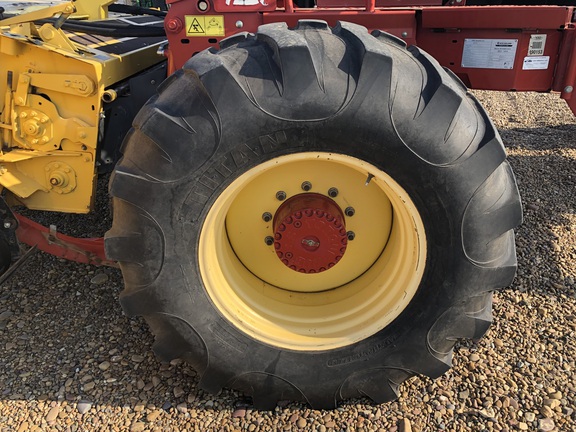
column 348, row 4
column 83, row 250
column 565, row 81
column 439, row 30
column 496, row 17
column 244, row 6
column 399, row 22
column 447, row 48
column 370, row 5
column 442, row 33
column 566, row 59
column 309, row 233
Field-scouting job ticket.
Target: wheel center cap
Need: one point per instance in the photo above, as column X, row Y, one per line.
column 310, row 233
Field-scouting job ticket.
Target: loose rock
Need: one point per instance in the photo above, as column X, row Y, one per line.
column 84, row 406
column 404, row 425
column 546, row 425
column 52, row 414
column 99, row 279
column 152, row 416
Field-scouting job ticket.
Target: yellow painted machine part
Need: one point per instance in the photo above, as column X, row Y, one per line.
column 52, row 112
column 373, row 283
column 36, row 14
column 81, row 9
column 93, row 9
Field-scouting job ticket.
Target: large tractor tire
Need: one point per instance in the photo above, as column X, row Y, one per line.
column 313, row 214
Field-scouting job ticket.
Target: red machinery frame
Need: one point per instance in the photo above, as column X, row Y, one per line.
column 440, row 30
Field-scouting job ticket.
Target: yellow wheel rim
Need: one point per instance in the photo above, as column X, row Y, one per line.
column 369, row 286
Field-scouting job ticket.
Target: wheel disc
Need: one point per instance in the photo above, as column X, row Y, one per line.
column 360, row 237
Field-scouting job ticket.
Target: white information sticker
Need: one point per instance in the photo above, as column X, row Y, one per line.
column 489, row 53
column 536, row 63
column 537, row 45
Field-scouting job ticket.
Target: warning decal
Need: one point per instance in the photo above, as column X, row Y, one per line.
column 205, row 25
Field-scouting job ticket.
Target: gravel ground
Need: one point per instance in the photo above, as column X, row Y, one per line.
column 71, row 361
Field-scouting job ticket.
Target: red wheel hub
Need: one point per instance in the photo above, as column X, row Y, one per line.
column 310, row 233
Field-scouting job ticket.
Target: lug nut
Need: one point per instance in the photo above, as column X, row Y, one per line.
column 280, row 195
column 351, row 235
column 349, row 211
column 306, row 186
column 269, row 240
column 266, row 217
column 332, row 192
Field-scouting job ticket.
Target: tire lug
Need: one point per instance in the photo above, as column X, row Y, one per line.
column 269, row 240
column 349, row 211
column 332, row 192
column 306, row 186
column 280, row 195
column 351, row 235
column 266, row 217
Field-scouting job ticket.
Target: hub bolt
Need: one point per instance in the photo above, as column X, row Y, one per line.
column 306, row 186
column 351, row 235
column 332, row 192
column 266, row 217
column 349, row 211
column 280, row 195
column 269, row 240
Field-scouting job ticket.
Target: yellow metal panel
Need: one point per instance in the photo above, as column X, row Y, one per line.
column 51, row 107
column 60, row 181
column 18, row 183
column 60, row 119
column 93, row 9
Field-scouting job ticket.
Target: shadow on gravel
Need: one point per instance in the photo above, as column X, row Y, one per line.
column 562, row 136
column 63, row 336
column 544, row 161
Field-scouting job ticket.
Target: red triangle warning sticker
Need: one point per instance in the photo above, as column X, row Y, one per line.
column 195, row 27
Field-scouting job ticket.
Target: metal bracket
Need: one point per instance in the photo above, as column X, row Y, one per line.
column 49, row 12
column 38, row 125
column 83, row 250
column 51, row 34
column 77, row 85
